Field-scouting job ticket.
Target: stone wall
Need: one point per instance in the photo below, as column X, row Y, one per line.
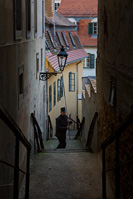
column 115, row 63
column 88, row 111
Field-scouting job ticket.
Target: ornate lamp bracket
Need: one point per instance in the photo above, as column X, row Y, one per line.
column 46, row 75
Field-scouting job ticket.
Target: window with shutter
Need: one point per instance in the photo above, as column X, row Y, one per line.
column 54, row 92
column 50, row 98
column 62, row 86
column 91, row 60
column 90, row 28
column 58, row 89
column 71, row 82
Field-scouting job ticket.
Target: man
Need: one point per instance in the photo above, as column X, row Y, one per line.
column 62, row 124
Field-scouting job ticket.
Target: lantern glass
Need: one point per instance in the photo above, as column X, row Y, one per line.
column 62, row 58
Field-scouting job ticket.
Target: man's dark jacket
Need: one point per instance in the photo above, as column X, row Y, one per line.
column 61, row 125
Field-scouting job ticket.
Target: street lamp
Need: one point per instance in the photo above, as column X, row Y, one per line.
column 62, row 58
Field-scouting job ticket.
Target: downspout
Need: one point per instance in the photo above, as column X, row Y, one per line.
column 77, row 92
column 54, row 20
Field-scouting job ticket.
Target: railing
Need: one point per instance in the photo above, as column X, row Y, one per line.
column 37, row 134
column 80, row 128
column 50, row 128
column 115, row 137
column 6, row 118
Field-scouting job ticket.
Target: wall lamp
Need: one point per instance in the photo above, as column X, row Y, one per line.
column 62, row 58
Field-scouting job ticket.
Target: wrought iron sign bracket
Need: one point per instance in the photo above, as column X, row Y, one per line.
column 46, row 75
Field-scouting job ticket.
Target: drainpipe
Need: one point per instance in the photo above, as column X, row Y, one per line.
column 77, row 92
column 54, row 20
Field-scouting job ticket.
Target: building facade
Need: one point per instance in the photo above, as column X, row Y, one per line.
column 22, row 54
column 115, row 84
column 84, row 14
column 64, row 89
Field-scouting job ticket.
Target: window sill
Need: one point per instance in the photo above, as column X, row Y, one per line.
column 88, row 68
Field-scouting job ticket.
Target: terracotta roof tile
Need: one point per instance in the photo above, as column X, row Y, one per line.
column 85, row 39
column 73, row 54
column 78, row 8
column 60, row 20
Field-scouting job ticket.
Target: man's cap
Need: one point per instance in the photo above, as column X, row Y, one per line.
column 63, row 109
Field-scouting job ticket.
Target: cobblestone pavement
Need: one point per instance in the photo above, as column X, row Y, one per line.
column 72, row 173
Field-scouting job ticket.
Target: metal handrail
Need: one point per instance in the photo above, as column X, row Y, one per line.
column 6, row 118
column 115, row 137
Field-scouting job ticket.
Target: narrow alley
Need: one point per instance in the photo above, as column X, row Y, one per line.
column 72, row 173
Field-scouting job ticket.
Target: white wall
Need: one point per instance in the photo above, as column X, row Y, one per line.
column 90, row 71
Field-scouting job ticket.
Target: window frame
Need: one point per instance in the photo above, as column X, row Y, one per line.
column 91, row 28
column 52, row 41
column 18, row 16
column 72, row 40
column 47, row 45
column 89, row 62
column 58, row 90
column 54, row 93
column 28, row 19
column 70, row 82
column 62, row 87
column 59, row 38
column 35, row 18
column 50, row 98
column 65, row 40
column 37, row 65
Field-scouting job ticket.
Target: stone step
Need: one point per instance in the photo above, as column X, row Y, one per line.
column 64, row 150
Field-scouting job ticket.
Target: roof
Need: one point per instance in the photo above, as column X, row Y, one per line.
column 48, row 21
column 62, row 21
column 78, row 8
column 93, row 85
column 74, row 54
column 85, row 39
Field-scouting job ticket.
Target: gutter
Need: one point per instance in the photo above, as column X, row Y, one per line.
column 77, row 91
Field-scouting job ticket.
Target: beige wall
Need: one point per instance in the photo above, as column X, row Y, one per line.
column 71, row 97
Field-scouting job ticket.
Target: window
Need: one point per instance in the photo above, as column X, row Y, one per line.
column 57, row 6
column 58, row 89
column 72, row 40
column 50, row 98
column 35, row 17
column 43, row 16
column 62, row 87
column 21, row 84
column 37, row 65
column 18, row 15
column 52, row 41
column 18, row 19
column 47, row 45
column 89, row 61
column 41, row 59
column 92, row 28
column 65, row 40
column 28, row 16
column 71, row 81
column 59, row 38
column 54, row 92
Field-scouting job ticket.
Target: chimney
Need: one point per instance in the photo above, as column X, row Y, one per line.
column 49, row 9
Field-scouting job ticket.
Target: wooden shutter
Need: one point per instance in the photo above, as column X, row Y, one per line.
column 92, row 56
column 90, row 28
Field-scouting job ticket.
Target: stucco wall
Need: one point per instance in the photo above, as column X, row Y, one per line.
column 115, row 62
column 13, row 55
column 71, row 97
column 90, row 71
